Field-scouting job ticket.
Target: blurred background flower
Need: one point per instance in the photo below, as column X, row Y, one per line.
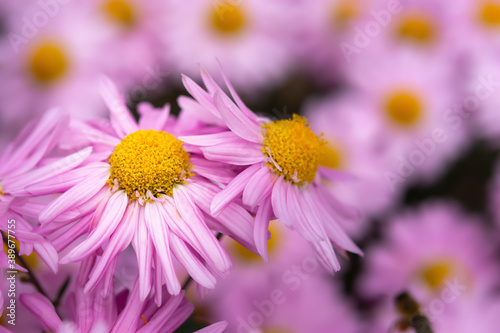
column 406, row 93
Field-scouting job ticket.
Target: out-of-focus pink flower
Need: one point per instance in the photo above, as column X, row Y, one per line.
column 248, row 37
column 429, row 252
column 293, row 294
column 408, row 97
column 141, row 186
column 283, row 174
column 350, row 134
column 48, row 61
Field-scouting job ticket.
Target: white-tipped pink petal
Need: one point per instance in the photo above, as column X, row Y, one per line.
column 158, row 230
column 211, row 249
column 193, row 265
column 264, row 214
column 143, row 247
column 118, row 242
column 112, row 215
column 232, row 190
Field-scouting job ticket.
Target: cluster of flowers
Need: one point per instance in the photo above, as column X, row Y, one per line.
column 156, row 185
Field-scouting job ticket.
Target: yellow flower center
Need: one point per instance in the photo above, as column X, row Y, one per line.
column 148, row 164
column 417, row 28
column 403, row 108
column 228, row 19
column 120, row 12
column 292, row 149
column 277, row 330
column 244, row 255
column 344, row 13
column 331, row 156
column 436, row 273
column 48, row 62
column 489, row 14
column 31, row 260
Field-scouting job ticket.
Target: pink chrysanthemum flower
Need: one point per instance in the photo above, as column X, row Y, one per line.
column 283, row 171
column 141, row 186
column 23, row 163
column 93, row 312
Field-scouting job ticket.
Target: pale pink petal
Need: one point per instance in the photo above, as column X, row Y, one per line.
column 158, row 280
column 143, row 246
column 163, row 315
column 129, row 318
column 264, row 214
column 48, row 253
column 214, row 328
column 43, row 310
column 279, row 201
column 210, row 139
column 118, row 242
column 112, row 215
column 258, row 188
column 158, row 230
column 200, row 95
column 232, row 190
column 238, row 122
column 211, row 170
column 181, row 314
column 152, row 118
column 80, row 192
column 335, row 175
column 194, row 110
column 235, row 152
column 195, row 268
column 121, row 118
column 211, row 249
column 69, row 236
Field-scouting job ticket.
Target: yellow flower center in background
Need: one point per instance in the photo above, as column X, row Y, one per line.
column 331, row 156
column 417, row 27
column 403, row 108
column 31, row 260
column 121, row 12
column 227, row 19
column 292, row 149
column 435, row 274
column 344, row 13
column 489, row 14
column 277, row 330
column 48, row 62
column 244, row 255
column 149, row 160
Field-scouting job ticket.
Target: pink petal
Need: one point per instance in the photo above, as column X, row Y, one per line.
column 152, row 118
column 262, row 219
column 158, row 230
column 279, row 201
column 214, row 328
column 121, row 118
column 238, row 122
column 163, row 315
column 235, row 152
column 143, row 247
column 258, row 188
column 43, row 310
column 210, row 139
column 112, row 215
column 211, row 170
column 232, row 190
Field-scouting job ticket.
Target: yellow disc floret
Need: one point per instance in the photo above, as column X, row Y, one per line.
column 228, row 19
column 436, row 273
column 418, row 28
column 292, row 149
column 489, row 14
column 121, row 12
column 403, row 108
column 48, row 62
column 147, row 164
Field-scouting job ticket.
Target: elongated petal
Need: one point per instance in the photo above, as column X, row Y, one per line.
column 232, row 190
column 112, row 215
column 158, row 230
column 214, row 328
column 279, row 201
column 143, row 246
column 258, row 188
column 262, row 220
column 210, row 139
column 43, row 310
column 161, row 317
column 235, row 152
